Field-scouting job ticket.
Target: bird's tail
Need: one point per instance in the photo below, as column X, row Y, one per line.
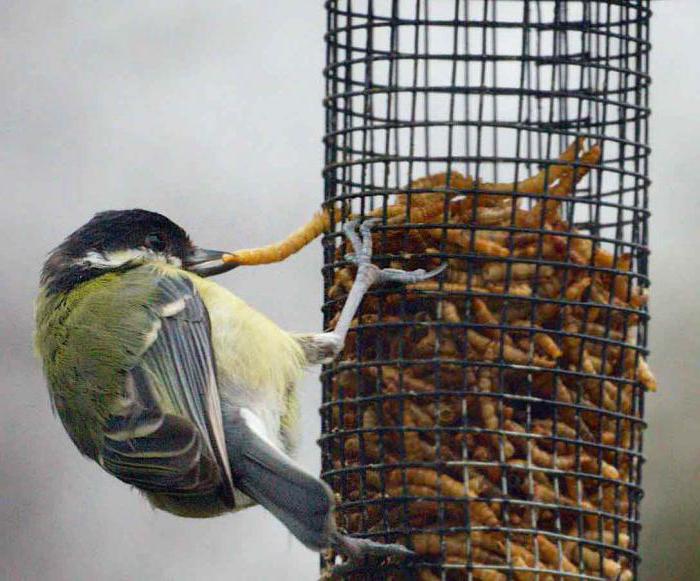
column 303, row 503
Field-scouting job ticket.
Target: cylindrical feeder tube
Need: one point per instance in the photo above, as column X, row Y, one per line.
column 491, row 419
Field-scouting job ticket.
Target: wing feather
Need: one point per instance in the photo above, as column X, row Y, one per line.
column 168, row 434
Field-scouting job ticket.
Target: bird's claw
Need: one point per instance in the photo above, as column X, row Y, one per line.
column 362, row 257
column 409, row 276
column 356, row 550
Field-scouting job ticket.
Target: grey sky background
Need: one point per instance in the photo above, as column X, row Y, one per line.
column 211, row 113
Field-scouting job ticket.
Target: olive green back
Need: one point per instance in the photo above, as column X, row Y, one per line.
column 87, row 339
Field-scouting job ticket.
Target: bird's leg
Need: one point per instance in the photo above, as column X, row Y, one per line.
column 324, row 347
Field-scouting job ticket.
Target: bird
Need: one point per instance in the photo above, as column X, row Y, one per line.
column 176, row 386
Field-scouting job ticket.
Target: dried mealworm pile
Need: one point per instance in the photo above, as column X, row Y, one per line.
column 490, row 419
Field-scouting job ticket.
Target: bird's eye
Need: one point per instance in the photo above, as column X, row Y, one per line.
column 155, row 241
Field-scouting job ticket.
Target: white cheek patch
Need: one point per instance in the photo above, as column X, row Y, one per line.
column 119, row 258
column 113, row 259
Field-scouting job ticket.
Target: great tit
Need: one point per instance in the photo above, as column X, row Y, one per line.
column 176, row 386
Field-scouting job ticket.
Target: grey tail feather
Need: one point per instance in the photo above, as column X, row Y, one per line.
column 304, row 504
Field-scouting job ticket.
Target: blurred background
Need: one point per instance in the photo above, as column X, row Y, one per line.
column 211, row 113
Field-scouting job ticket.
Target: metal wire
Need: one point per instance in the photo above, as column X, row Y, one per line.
column 494, row 90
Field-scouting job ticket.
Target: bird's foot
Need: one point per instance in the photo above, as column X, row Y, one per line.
column 357, row 550
column 362, row 257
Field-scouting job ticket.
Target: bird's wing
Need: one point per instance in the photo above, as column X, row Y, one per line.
column 167, row 434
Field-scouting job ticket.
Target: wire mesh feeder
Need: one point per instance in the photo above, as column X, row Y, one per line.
column 491, row 420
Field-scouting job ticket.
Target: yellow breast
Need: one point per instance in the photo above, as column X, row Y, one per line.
column 249, row 347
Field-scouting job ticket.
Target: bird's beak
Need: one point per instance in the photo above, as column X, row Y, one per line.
column 207, row 262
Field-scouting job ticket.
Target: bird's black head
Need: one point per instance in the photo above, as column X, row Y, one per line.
column 123, row 239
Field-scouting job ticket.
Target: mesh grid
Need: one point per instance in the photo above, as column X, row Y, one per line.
column 492, row 421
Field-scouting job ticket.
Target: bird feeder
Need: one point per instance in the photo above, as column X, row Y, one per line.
column 490, row 419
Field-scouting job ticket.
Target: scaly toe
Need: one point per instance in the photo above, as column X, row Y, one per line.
column 357, row 549
column 410, row 276
column 350, row 231
column 362, row 245
column 366, row 232
column 367, row 225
